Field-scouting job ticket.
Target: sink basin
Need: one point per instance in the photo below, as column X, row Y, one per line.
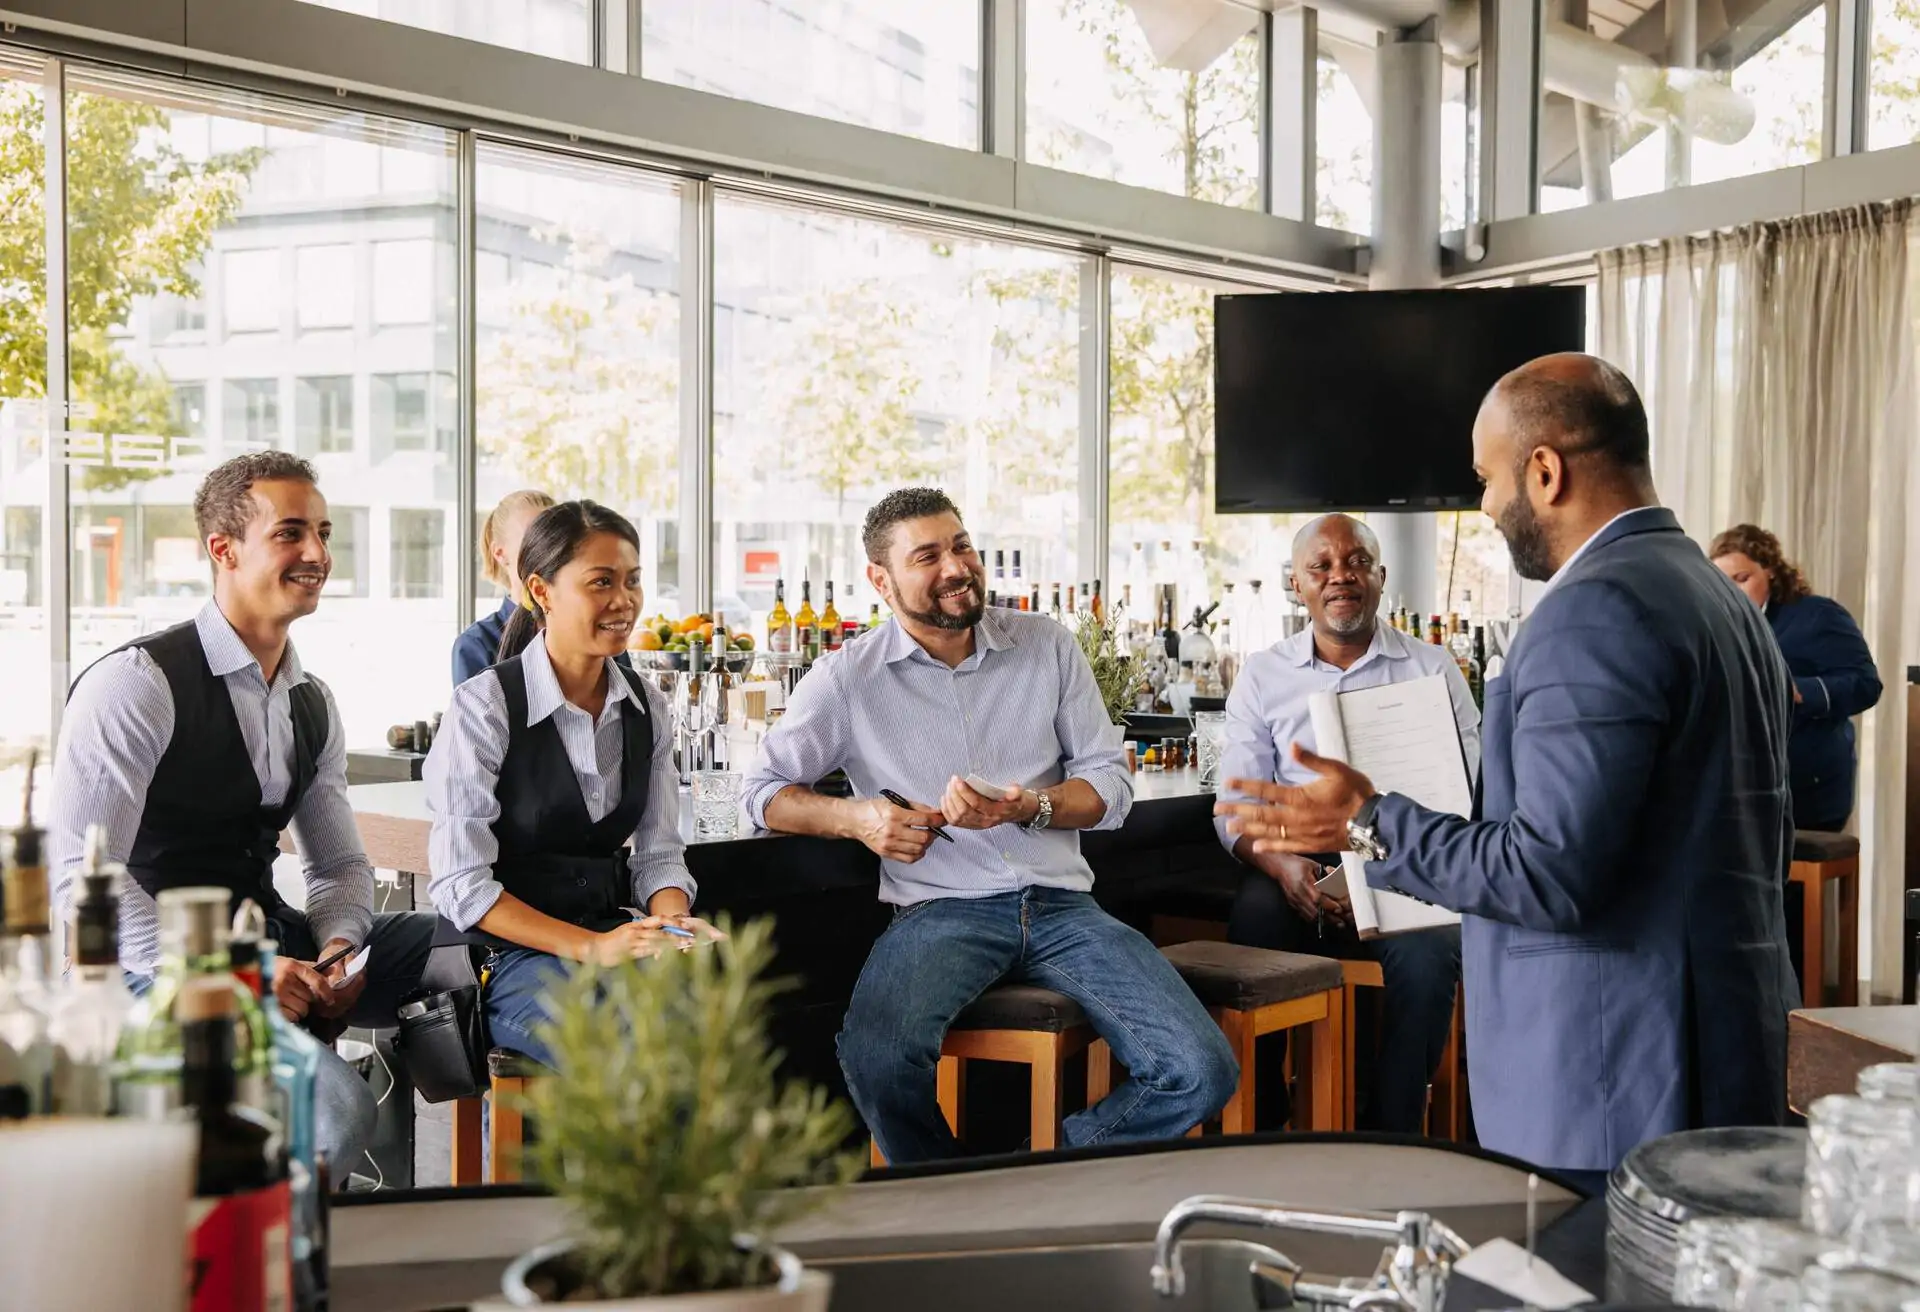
column 1112, row 1277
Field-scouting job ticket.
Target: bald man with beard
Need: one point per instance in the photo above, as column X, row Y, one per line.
column 1338, row 573
column 1621, row 879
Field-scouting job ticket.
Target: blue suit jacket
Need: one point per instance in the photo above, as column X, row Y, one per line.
column 478, row 647
column 1837, row 680
column 1623, row 944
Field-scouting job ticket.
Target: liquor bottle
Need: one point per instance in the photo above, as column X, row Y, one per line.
column 1086, row 600
column 873, row 618
column 1435, row 634
column 193, row 943
column 296, row 1068
column 779, row 623
column 254, row 1084
column 719, row 692
column 1097, row 606
column 1059, row 617
column 1460, row 644
column 999, row 577
column 1017, row 584
column 806, row 624
column 240, row 1249
column 1032, row 603
column 1479, row 679
column 830, row 623
column 87, row 1017
column 26, row 1056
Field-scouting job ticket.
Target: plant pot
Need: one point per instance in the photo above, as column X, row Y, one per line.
column 796, row 1290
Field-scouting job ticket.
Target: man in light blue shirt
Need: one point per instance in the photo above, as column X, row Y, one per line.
column 1339, row 575
column 986, row 887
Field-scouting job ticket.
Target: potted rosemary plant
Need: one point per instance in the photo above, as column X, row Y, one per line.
column 1115, row 671
column 675, row 1147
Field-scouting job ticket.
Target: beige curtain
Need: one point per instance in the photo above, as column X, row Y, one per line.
column 1777, row 363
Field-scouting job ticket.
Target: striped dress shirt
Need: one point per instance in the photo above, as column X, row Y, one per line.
column 1022, row 709
column 118, row 724
column 463, row 769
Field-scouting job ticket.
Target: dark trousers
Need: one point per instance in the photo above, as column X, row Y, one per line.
column 1420, row 971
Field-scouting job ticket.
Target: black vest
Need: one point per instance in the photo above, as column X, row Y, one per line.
column 203, row 824
column 553, row 856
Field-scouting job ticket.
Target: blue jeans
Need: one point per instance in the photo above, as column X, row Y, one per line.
column 1419, row 971
column 937, row 956
column 515, row 999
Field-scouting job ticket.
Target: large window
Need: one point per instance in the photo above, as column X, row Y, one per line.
column 1895, row 108
column 863, row 356
column 1163, row 529
column 26, row 709
column 1343, row 153
column 274, row 199
column 579, row 345
column 1152, row 103
column 1748, row 103
column 908, row 66
column 558, row 29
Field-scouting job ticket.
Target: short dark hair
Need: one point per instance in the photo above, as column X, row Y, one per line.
column 1597, row 414
column 224, row 503
column 896, row 507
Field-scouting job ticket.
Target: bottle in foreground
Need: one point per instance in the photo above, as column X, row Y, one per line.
column 240, row 1244
column 26, row 1056
column 87, row 1017
column 193, row 944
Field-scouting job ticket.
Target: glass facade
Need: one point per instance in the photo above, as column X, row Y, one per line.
column 558, row 29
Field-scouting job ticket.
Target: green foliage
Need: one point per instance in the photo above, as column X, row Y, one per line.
column 666, row 1130
column 1115, row 672
column 140, row 216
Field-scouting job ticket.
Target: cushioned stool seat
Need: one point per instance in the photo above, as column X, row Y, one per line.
column 1021, row 1023
column 1228, row 975
column 1821, row 858
column 1251, row 992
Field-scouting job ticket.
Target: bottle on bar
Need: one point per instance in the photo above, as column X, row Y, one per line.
column 720, row 691
column 193, row 944
column 1097, row 606
column 1435, row 634
column 873, row 618
column 999, row 585
column 691, row 712
column 87, row 1017
column 779, row 622
column 26, row 1055
column 1479, row 677
column 296, row 1069
column 830, row 622
column 1018, row 583
column 252, row 1040
column 1086, row 600
column 240, row 1246
column 1059, row 616
column 806, row 624
column 1032, row 603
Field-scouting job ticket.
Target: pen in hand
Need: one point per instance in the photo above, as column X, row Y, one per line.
column 905, row 805
column 669, row 928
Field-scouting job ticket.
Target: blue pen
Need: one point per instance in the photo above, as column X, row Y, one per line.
column 675, row 930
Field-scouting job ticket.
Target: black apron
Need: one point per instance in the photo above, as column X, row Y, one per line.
column 203, row 824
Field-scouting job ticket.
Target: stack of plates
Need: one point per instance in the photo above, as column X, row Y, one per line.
column 1748, row 1172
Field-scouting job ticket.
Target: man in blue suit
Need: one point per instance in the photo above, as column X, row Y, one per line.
column 1623, row 943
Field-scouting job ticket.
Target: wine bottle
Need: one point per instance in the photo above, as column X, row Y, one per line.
column 779, row 622
column 806, row 624
column 830, row 622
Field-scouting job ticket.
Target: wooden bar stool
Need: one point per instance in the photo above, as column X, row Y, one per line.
column 1022, row 1023
column 1818, row 860
column 1251, row 992
column 1447, row 1094
column 507, row 1075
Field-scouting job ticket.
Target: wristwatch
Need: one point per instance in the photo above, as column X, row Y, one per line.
column 1044, row 816
column 1361, row 835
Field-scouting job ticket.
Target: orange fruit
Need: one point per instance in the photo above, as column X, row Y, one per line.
column 650, row 640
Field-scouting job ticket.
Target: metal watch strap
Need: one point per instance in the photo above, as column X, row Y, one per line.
column 1044, row 816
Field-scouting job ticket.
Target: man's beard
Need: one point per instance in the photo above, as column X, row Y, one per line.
column 1526, row 539
column 1360, row 622
column 936, row 618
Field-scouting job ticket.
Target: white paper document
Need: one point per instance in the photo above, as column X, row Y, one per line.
column 1505, row 1266
column 1403, row 737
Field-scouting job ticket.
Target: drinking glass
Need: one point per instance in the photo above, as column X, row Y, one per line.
column 1830, row 1285
column 1706, row 1261
column 1210, row 732
column 1859, row 1158
column 1893, row 1081
column 716, row 803
column 1771, row 1260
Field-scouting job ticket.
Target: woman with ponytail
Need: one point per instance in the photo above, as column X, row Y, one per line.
column 500, row 539
column 554, row 798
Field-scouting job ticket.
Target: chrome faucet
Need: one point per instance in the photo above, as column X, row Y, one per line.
column 1413, row 1269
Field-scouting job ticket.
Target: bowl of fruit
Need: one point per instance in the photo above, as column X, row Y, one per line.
column 663, row 644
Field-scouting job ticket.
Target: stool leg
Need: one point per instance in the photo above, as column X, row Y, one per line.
column 1237, row 1116
column 1350, row 1096
column 874, row 1156
column 1329, row 1041
column 1099, row 1071
column 1048, row 1092
column 950, row 1082
column 504, row 1130
column 1849, row 913
column 466, row 1141
column 1813, row 942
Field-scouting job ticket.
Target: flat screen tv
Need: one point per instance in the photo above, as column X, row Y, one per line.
column 1366, row 400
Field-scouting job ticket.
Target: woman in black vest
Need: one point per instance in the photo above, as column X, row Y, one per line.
column 556, row 820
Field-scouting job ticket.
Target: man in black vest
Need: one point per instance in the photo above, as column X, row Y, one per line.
column 195, row 747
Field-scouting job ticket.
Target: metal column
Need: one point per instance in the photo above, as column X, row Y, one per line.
column 466, row 447
column 696, row 394
column 1510, row 108
column 1003, row 78
column 1406, row 255
column 1683, row 51
column 1289, row 108
column 1096, row 429
column 56, row 514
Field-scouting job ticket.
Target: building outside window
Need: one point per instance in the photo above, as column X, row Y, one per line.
column 413, row 412
column 323, row 415
column 326, row 279
column 349, row 550
column 252, row 414
column 250, row 291
column 419, row 550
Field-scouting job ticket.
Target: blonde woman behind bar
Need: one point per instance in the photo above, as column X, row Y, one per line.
column 478, row 647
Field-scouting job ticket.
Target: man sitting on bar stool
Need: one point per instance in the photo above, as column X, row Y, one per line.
column 196, row 746
column 1338, row 573
column 945, row 689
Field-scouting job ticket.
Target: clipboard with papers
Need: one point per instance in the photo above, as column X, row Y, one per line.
column 1403, row 737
